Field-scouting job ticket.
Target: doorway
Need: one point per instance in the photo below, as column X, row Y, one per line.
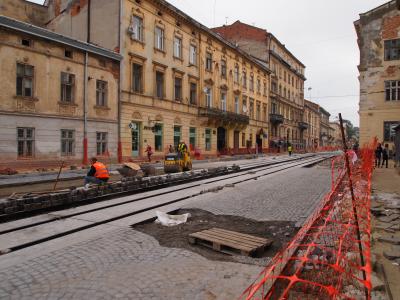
column 259, row 141
column 135, row 127
column 221, row 139
column 236, row 141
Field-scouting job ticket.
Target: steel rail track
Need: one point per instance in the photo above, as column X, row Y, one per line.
column 279, row 167
column 156, row 183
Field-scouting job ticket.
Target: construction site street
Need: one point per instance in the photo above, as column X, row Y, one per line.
column 114, row 260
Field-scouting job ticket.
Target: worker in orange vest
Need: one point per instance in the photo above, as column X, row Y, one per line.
column 98, row 173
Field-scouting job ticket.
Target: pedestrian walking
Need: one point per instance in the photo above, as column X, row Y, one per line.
column 171, row 149
column 290, row 149
column 385, row 155
column 378, row 155
column 149, row 152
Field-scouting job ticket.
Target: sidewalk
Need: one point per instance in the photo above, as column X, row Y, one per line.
column 386, row 226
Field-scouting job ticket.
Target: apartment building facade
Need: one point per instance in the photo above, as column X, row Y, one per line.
column 325, row 138
column 179, row 80
column 313, row 119
column 287, row 123
column 379, row 42
column 48, row 112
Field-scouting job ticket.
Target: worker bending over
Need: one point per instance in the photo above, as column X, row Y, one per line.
column 98, row 173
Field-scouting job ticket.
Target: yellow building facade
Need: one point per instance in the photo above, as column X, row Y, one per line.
column 48, row 112
column 313, row 118
column 181, row 82
column 286, row 107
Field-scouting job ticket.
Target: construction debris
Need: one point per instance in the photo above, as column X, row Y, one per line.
column 8, row 171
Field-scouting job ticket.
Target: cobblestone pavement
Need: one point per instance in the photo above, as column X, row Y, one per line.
column 124, row 265
column 127, row 264
column 285, row 196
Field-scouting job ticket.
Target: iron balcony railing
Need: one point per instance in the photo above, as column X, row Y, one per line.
column 276, row 118
column 224, row 116
column 303, row 125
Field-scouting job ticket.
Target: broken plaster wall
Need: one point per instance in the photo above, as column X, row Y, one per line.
column 25, row 11
column 373, row 29
column 104, row 21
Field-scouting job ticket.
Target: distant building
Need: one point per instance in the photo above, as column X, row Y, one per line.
column 336, row 134
column 325, row 129
column 313, row 119
column 378, row 32
column 287, row 122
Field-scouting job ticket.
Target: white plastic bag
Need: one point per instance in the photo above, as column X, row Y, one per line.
column 171, row 220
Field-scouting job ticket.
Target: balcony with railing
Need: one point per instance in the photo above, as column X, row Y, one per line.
column 223, row 118
column 303, row 125
column 276, row 118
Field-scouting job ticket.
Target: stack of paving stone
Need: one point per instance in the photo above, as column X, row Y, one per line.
column 386, row 209
column 22, row 203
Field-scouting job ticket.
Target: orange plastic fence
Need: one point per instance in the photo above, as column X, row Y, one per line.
column 323, row 261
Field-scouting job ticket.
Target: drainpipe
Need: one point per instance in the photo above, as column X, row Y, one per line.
column 119, row 84
column 85, row 92
column 89, row 20
column 85, row 110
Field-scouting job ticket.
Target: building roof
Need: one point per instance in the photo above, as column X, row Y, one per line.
column 311, row 105
column 252, row 32
column 324, row 111
column 9, row 23
column 380, row 7
column 186, row 18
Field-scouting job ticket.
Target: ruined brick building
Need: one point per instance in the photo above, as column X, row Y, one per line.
column 378, row 32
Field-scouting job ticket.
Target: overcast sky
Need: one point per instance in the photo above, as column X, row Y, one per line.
column 318, row 32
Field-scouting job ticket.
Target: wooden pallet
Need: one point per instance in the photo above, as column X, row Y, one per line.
column 230, row 242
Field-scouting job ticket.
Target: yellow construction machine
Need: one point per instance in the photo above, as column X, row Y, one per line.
column 177, row 162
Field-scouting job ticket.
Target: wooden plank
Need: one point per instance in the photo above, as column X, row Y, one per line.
column 226, row 242
column 245, row 240
column 241, row 235
column 235, row 238
column 229, row 241
column 221, row 247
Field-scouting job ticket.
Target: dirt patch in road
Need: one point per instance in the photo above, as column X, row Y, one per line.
column 177, row 236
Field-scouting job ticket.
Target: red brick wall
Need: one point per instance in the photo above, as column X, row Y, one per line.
column 240, row 30
column 391, row 27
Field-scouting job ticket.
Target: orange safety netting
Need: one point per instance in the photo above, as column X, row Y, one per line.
column 329, row 258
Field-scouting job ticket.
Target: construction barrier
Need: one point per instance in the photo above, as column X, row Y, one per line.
column 329, row 258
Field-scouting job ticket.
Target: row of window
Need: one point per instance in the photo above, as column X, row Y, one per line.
column 137, row 33
column 137, row 86
column 159, row 145
column 283, row 92
column 159, row 34
column 25, row 85
column 177, row 134
column 26, row 142
column 287, row 77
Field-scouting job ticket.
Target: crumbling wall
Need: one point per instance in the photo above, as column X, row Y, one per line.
column 373, row 29
column 25, row 11
column 72, row 21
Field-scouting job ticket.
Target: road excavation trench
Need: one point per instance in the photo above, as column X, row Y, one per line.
column 177, row 236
